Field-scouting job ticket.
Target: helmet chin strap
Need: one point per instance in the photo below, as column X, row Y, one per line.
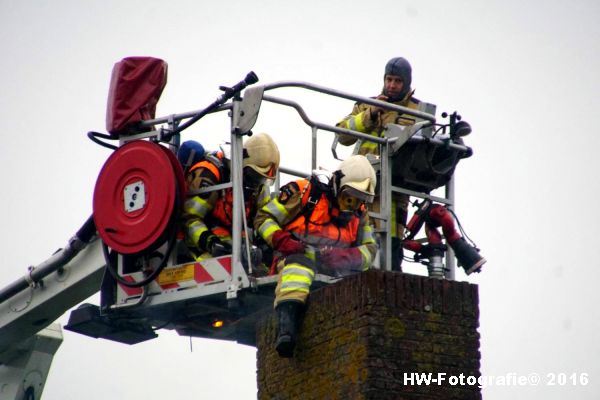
column 343, row 216
column 342, row 219
column 250, row 191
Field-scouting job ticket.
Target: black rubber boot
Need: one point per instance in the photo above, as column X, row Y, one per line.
column 397, row 254
column 467, row 256
column 288, row 314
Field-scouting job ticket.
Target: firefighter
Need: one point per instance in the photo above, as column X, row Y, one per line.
column 370, row 119
column 190, row 153
column 314, row 226
column 208, row 216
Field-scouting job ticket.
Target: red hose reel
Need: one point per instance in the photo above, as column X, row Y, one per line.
column 138, row 197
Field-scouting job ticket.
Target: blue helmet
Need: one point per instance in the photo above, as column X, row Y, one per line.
column 190, row 152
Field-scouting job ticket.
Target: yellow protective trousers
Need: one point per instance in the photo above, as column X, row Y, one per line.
column 296, row 275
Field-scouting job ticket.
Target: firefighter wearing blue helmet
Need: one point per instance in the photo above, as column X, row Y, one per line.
column 190, row 152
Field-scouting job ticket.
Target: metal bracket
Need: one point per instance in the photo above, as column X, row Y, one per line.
column 232, row 290
column 249, row 107
column 134, row 196
column 401, row 133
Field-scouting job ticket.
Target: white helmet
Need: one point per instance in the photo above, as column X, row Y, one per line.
column 262, row 155
column 356, row 177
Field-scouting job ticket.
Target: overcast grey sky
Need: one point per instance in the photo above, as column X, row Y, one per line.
column 524, row 74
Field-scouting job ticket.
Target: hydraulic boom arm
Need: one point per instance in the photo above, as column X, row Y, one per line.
column 30, row 305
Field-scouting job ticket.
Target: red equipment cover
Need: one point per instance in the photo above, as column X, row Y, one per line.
column 135, row 87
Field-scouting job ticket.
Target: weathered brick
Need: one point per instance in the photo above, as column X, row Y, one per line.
column 362, row 334
column 390, row 289
column 437, row 295
column 401, row 294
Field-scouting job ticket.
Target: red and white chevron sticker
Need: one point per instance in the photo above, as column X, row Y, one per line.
column 180, row 276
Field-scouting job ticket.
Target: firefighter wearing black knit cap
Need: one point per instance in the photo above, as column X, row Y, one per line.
column 365, row 118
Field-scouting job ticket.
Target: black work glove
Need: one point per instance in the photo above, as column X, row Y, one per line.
column 217, row 248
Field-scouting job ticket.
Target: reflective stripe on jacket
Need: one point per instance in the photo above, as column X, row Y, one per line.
column 211, row 212
column 288, row 212
column 360, row 120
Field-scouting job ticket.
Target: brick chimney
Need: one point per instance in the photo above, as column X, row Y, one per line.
column 376, row 336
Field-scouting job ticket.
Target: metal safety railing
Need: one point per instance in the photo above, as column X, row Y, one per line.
column 244, row 111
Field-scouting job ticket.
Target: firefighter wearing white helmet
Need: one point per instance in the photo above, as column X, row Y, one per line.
column 317, row 225
column 208, row 216
column 366, row 118
column 356, row 178
column 261, row 160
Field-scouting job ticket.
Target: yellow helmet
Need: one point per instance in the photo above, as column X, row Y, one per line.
column 356, row 177
column 262, row 155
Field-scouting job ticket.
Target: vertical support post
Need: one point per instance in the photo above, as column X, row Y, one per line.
column 313, row 164
column 385, row 200
column 175, row 143
column 175, row 140
column 450, row 260
column 238, row 208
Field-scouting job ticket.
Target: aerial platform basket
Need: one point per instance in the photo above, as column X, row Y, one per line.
column 148, row 285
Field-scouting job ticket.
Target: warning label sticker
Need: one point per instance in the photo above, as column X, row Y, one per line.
column 177, row 274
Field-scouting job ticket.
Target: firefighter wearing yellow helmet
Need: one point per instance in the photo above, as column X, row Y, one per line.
column 208, row 216
column 317, row 226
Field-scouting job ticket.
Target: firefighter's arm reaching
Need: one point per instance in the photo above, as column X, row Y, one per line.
column 363, row 118
column 197, row 207
column 358, row 257
column 277, row 213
